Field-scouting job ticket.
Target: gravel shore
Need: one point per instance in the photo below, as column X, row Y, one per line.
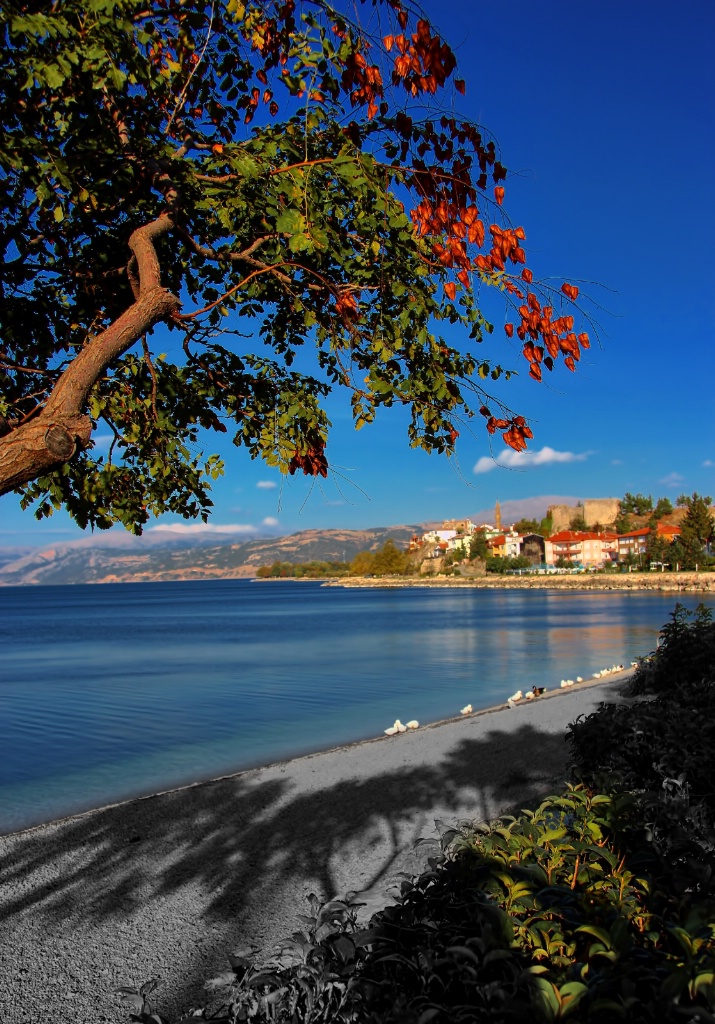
column 669, row 582
column 165, row 886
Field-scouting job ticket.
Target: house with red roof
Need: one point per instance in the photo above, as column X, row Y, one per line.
column 635, row 542
column 582, row 548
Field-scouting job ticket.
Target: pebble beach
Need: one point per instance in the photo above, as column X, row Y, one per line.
column 164, row 886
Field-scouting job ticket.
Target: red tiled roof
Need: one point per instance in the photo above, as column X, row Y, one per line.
column 635, row 533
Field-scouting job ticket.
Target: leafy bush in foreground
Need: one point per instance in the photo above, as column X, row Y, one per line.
column 570, row 911
column 685, row 654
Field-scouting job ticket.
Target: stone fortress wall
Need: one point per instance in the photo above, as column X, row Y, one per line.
column 595, row 511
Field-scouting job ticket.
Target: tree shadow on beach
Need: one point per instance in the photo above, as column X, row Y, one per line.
column 248, row 848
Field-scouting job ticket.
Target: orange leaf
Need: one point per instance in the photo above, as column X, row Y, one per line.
column 450, row 289
column 509, row 328
column 535, row 371
column 527, row 275
column 499, row 194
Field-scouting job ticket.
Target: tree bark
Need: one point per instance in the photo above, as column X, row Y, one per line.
column 62, row 427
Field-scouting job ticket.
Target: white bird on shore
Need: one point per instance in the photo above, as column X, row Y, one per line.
column 466, row 710
column 579, row 679
column 516, row 696
column 413, row 724
column 565, row 683
column 397, row 727
column 596, row 675
column 530, row 694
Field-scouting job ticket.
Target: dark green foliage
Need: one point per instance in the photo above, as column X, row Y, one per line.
column 500, row 563
column 636, row 504
column 685, row 654
column 623, row 524
column 662, row 508
column 698, row 529
column 478, row 547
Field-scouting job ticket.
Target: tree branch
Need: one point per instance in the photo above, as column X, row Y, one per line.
column 62, row 426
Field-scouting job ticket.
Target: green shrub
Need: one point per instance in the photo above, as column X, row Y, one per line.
column 685, row 653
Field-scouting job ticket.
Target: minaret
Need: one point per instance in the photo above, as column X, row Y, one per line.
column 497, row 517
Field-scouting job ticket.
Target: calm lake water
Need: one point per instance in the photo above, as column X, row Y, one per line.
column 115, row 690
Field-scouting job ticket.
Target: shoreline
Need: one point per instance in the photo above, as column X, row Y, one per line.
column 618, row 678
column 166, row 885
column 680, row 582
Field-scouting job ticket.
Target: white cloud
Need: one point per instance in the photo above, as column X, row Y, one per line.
column 616, row 462
column 708, row 463
column 189, row 529
column 266, row 485
column 102, row 440
column 270, row 521
column 672, row 480
column 526, row 460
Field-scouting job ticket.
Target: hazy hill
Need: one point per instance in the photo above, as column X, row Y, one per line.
column 73, row 564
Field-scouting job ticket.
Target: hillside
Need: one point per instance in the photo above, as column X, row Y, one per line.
column 65, row 564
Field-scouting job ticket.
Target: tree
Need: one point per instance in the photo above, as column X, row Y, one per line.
column 578, row 522
column 697, row 528
column 636, row 504
column 218, row 168
column 389, row 560
column 526, row 526
column 362, row 564
column 623, row 524
column 663, row 507
column 658, row 548
column 546, row 526
column 478, row 547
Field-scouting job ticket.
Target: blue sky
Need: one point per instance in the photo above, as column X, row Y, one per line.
column 604, row 114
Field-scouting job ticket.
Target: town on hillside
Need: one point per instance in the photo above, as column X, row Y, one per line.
column 596, row 534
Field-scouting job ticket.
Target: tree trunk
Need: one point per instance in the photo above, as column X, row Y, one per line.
column 62, row 427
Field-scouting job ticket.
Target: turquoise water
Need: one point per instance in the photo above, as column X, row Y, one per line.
column 115, row 690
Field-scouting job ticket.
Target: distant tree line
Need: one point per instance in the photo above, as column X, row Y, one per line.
column 302, row 570
column 388, row 560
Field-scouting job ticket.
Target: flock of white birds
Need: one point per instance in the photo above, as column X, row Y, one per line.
column 535, row 691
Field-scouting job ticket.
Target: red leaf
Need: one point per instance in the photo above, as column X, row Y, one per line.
column 526, row 275
column 450, row 289
column 499, row 194
column 460, row 86
column 535, row 371
column 509, row 328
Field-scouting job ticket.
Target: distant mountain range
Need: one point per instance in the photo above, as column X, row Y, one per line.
column 80, row 563
column 170, row 554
